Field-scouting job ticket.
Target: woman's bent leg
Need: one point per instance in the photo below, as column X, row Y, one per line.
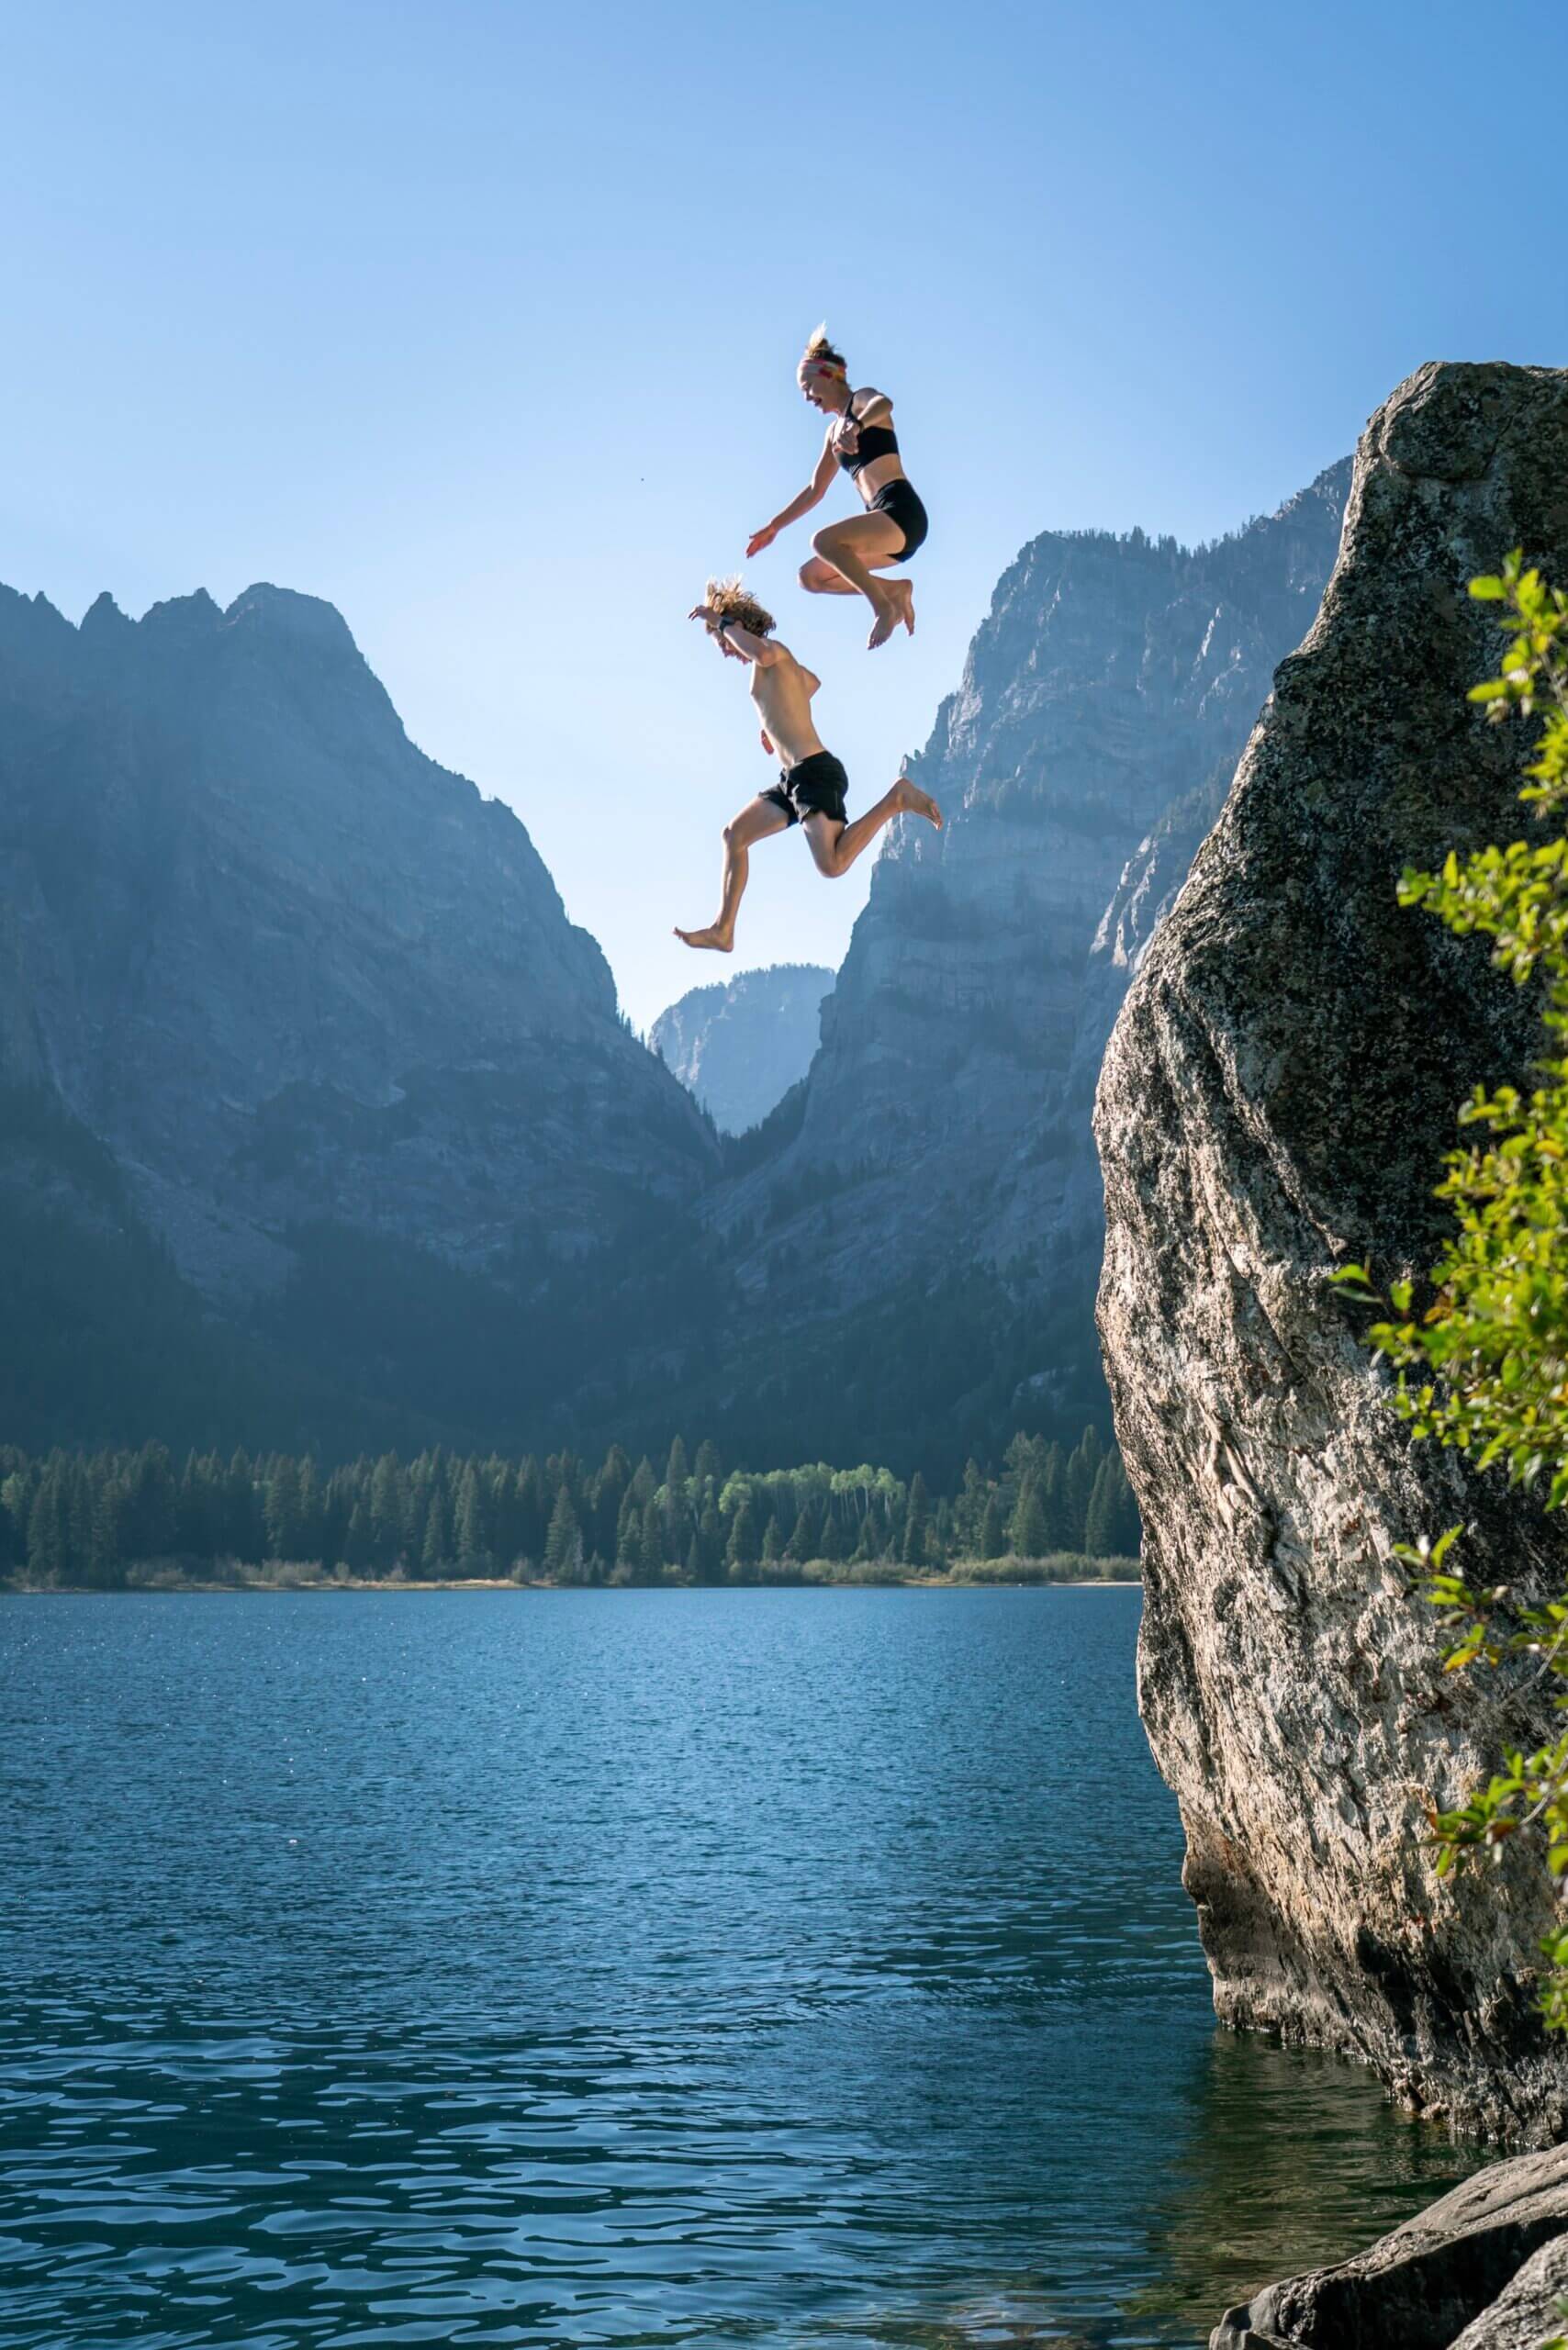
column 851, row 549
column 819, row 577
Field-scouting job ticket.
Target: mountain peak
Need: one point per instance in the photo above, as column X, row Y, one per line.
column 104, row 617
column 183, row 615
column 283, row 612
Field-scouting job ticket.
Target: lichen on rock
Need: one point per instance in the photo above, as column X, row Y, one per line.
column 1279, row 1091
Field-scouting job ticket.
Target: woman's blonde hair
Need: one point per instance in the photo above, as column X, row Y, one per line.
column 820, row 353
column 728, row 598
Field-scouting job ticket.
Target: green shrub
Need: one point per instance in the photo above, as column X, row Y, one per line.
column 1484, row 1367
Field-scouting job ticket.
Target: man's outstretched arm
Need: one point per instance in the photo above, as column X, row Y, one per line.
column 760, row 649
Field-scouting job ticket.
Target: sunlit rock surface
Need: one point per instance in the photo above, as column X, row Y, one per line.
column 1282, row 1082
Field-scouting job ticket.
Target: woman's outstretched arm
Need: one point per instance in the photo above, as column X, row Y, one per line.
column 821, row 482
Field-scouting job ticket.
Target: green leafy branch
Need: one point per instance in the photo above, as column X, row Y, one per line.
column 1482, row 1360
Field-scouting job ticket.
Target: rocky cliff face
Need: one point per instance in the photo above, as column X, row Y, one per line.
column 285, row 964
column 740, row 1047
column 296, row 976
column 1282, row 1082
column 946, row 1122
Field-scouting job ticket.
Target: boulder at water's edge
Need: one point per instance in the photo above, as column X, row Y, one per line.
column 1275, row 1100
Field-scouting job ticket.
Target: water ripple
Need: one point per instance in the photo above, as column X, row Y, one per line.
column 648, row 1968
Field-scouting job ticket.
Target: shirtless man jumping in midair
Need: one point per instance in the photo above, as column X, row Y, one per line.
column 812, row 782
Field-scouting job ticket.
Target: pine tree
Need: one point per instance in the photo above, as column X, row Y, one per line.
column 12, row 1534
column 643, row 1488
column 743, row 1549
column 564, row 1544
column 802, row 1542
column 1112, row 1531
column 993, row 1530
column 468, row 1526
column 533, row 1517
column 101, row 1546
column 243, row 1527
column 311, row 1525
column 913, row 1547
column 146, row 1530
column 193, row 1508
column 1060, row 1534
column 943, row 1541
column 436, row 1551
column 629, row 1538
column 1083, row 1465
column 282, row 1509
column 707, row 1464
column 359, row 1546
column 1029, row 1534
column 388, row 1513
column 772, row 1542
column 609, row 1499
column 970, row 1510
column 47, row 1554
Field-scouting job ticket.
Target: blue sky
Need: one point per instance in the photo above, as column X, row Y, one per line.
column 481, row 321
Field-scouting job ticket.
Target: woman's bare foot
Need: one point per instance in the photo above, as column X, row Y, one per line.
column 905, row 590
column 888, row 610
column 916, row 802
column 713, row 936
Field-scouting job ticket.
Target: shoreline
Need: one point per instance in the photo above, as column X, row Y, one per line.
column 241, row 1587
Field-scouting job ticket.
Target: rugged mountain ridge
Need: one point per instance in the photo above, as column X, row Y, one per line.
column 738, row 1046
column 321, row 1004
column 1282, row 1082
column 305, row 985
column 944, row 1131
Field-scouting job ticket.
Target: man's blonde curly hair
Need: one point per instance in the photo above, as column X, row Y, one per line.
column 731, row 601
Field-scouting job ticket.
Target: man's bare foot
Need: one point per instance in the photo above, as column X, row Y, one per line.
column 889, row 611
column 917, row 802
column 710, row 937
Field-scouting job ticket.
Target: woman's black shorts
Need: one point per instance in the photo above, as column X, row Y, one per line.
column 816, row 788
column 898, row 500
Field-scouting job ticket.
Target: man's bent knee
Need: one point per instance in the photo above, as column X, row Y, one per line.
column 824, row 847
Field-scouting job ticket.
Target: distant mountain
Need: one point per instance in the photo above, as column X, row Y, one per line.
column 319, row 1003
column 310, row 1086
column 943, row 1134
column 739, row 1047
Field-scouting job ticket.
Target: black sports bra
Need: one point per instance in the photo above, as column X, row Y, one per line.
column 871, row 442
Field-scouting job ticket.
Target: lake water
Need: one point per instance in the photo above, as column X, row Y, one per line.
column 777, row 1967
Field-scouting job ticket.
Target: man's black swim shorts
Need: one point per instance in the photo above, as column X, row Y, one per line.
column 816, row 788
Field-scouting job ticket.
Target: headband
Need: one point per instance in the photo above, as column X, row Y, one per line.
column 823, row 367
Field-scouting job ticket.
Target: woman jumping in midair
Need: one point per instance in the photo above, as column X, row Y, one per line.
column 861, row 439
